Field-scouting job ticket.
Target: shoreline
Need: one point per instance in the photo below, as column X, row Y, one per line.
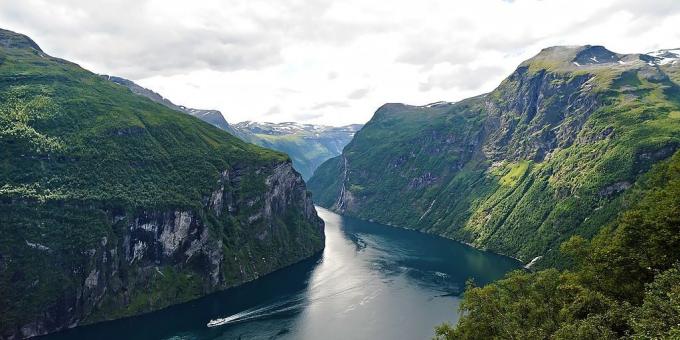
column 523, row 264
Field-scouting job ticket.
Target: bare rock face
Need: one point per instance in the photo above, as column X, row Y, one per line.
column 534, row 114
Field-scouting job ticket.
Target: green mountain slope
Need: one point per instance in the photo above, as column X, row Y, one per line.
column 307, row 145
column 624, row 284
column 112, row 205
column 213, row 117
column 546, row 155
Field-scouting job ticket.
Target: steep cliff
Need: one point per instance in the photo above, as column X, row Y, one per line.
column 112, row 205
column 546, row 155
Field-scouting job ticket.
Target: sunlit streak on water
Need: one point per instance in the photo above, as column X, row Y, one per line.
column 372, row 282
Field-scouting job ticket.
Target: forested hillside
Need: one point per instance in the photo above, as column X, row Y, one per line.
column 112, row 205
column 625, row 283
column 548, row 154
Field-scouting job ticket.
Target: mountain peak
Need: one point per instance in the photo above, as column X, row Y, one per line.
column 578, row 55
column 9, row 39
column 594, row 55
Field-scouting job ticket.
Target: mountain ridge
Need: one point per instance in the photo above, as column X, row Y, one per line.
column 308, row 145
column 503, row 170
column 113, row 205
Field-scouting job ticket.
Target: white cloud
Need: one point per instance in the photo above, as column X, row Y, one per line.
column 326, row 61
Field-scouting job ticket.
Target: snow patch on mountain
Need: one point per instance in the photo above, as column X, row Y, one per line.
column 664, row 57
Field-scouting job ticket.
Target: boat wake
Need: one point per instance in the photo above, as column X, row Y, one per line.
column 294, row 303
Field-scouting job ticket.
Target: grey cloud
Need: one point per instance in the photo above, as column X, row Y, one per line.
column 123, row 38
column 358, row 93
column 508, row 43
column 127, row 38
column 658, row 8
column 646, row 15
column 426, row 52
column 272, row 111
column 302, row 117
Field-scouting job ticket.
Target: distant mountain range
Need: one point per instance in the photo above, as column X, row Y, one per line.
column 307, row 145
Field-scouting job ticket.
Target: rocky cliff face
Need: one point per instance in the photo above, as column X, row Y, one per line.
column 113, row 205
column 154, row 258
column 533, row 114
column 548, row 154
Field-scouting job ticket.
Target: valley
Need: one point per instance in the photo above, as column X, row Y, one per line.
column 544, row 207
column 550, row 153
column 372, row 281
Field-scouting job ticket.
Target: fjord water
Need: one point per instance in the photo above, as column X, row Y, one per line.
column 371, row 282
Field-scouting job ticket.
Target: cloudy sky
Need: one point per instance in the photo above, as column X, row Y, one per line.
column 327, row 61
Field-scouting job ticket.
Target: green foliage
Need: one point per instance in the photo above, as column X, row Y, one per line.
column 328, row 180
column 625, row 283
column 81, row 158
column 659, row 315
column 514, row 173
column 164, row 286
column 534, row 306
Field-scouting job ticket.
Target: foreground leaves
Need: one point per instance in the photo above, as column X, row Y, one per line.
column 625, row 283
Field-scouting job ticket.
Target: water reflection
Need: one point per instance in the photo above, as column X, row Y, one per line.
column 371, row 282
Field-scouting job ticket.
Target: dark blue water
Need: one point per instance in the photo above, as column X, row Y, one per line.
column 371, row 282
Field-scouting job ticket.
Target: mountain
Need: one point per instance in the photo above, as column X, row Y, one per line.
column 213, row 117
column 624, row 283
column 113, row 205
column 307, row 145
column 550, row 153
